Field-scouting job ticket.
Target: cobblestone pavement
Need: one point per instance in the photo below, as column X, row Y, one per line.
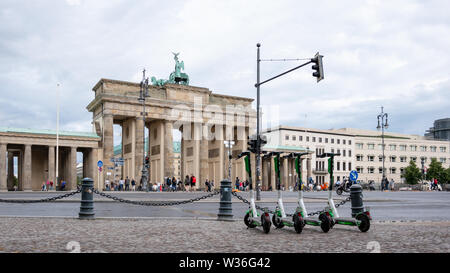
column 202, row 235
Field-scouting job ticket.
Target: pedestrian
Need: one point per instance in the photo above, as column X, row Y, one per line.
column 43, row 186
column 133, row 185
column 174, row 184
column 212, row 184
column 107, row 185
column 127, row 184
column 207, row 187
column 121, row 183
column 435, row 184
column 194, row 180
column 187, row 183
column 63, row 185
column 51, row 185
column 237, row 183
column 392, row 184
column 48, row 185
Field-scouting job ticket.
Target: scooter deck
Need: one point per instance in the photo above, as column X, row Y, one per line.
column 345, row 221
column 287, row 221
column 312, row 221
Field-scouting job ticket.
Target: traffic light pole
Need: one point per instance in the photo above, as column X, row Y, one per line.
column 318, row 61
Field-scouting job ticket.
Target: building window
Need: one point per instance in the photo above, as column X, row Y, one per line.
column 370, row 157
column 349, row 166
column 423, row 158
column 320, row 140
column 307, row 139
column 349, row 142
column 338, row 141
column 393, row 158
column 413, row 148
column 332, row 151
column 359, row 145
column 380, row 170
column 286, row 137
column 402, row 147
column 359, row 158
column 442, row 159
column 393, row 170
column 433, row 149
column 294, row 138
column 423, row 148
column 442, row 149
column 343, row 166
column 403, row 159
column 300, row 138
column 314, row 139
column 332, row 140
column 413, row 159
column 326, row 140
column 343, row 141
column 338, row 166
column 380, row 158
column 338, row 151
column 343, row 153
column 370, row 146
column 349, row 153
column 392, row 147
column 371, row 169
column 359, row 169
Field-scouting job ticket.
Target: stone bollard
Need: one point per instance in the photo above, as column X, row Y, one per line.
column 225, row 208
column 356, row 198
column 87, row 200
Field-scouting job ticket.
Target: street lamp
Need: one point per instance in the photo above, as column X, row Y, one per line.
column 383, row 117
column 142, row 94
column 229, row 144
column 317, row 67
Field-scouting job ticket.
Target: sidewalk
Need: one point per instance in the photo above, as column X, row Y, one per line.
column 188, row 235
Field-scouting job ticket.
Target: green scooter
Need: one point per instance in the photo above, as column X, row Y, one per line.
column 252, row 218
column 361, row 217
column 279, row 218
column 324, row 219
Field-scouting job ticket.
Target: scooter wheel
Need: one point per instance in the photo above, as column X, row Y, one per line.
column 299, row 223
column 265, row 221
column 339, row 191
column 325, row 222
column 277, row 221
column 364, row 226
column 247, row 221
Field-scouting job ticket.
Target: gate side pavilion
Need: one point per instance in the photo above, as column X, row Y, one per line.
column 35, row 151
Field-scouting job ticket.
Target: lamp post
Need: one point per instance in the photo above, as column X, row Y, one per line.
column 142, row 94
column 317, row 67
column 384, row 124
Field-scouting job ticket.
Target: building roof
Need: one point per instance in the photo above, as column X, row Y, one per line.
column 47, row 132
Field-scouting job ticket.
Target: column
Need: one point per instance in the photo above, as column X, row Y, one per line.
column 308, row 169
column 265, row 173
column 285, row 181
column 204, row 166
column 108, row 143
column 20, row 171
column 10, row 182
column 26, row 168
column 72, row 181
column 273, row 179
column 168, row 149
column 3, row 177
column 196, row 158
column 139, row 148
column 51, row 164
column 182, row 155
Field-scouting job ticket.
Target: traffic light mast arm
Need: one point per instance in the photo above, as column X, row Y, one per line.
column 295, row 68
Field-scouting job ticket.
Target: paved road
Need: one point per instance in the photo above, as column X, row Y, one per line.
column 420, row 206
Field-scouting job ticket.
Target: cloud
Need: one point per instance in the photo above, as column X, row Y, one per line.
column 376, row 53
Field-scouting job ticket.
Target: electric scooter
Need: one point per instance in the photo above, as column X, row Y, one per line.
column 300, row 217
column 252, row 218
column 324, row 219
column 361, row 217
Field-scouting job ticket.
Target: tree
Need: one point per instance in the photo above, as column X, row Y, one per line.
column 435, row 170
column 412, row 174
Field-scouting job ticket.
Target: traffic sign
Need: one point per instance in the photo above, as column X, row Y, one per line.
column 353, row 175
column 100, row 164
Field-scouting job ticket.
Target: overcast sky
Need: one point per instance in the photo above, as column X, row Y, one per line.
column 390, row 53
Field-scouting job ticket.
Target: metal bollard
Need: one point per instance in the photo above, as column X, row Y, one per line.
column 356, row 198
column 225, row 208
column 87, row 200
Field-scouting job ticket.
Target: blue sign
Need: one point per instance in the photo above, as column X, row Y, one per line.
column 353, row 176
column 100, row 164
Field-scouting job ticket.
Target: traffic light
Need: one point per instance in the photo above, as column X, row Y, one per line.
column 263, row 140
column 252, row 143
column 317, row 67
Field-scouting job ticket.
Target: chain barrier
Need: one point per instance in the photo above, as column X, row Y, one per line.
column 152, row 203
column 272, row 212
column 49, row 199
